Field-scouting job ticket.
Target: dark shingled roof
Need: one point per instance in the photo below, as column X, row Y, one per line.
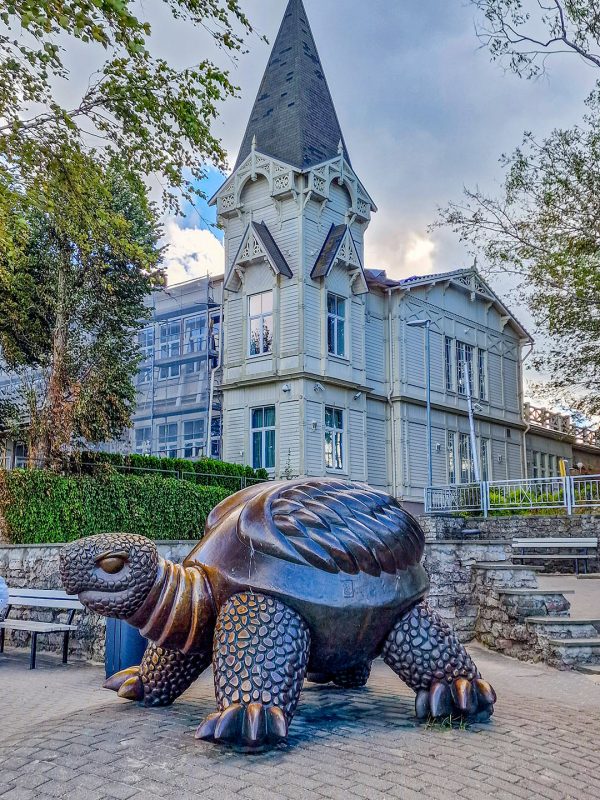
column 294, row 119
column 329, row 250
column 264, row 234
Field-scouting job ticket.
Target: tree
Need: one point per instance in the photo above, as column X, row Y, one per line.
column 78, row 256
column 545, row 230
column 524, row 33
column 155, row 118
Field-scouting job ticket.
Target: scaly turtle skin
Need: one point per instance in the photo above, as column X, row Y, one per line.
column 307, row 577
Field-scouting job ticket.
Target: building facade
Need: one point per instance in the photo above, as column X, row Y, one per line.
column 300, row 360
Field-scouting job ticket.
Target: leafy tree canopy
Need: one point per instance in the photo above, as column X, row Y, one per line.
column 154, row 117
column 78, row 256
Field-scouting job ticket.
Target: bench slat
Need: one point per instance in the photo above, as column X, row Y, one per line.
column 30, row 602
column 35, row 627
column 553, row 557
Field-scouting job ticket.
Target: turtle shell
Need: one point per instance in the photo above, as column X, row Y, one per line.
column 345, row 556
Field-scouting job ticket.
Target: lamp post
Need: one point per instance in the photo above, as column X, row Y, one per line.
column 426, row 323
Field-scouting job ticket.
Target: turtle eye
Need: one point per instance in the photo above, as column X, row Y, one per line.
column 112, row 564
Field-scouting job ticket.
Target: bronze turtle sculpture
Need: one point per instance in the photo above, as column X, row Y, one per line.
column 306, row 578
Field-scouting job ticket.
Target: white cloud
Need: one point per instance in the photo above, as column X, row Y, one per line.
column 419, row 255
column 191, row 253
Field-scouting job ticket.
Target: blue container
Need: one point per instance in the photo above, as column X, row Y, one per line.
column 125, row 646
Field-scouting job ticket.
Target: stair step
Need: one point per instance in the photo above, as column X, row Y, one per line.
column 575, row 642
column 591, row 576
column 551, row 620
column 535, row 592
column 506, row 565
column 589, row 669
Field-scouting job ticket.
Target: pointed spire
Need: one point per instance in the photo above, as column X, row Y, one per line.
column 294, row 118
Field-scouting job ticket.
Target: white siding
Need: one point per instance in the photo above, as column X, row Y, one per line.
column 289, row 320
column 235, row 428
column 315, row 442
column 356, row 434
column 288, row 428
column 234, row 332
column 377, row 445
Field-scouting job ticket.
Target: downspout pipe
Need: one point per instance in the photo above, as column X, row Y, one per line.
column 390, row 394
column 528, row 428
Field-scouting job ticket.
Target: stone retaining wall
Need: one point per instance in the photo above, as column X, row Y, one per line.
column 507, row 528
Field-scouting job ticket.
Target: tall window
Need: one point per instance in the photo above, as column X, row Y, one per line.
column 482, row 374
column 484, row 449
column 214, row 339
column 464, row 366
column 146, row 345
column 170, row 346
column 167, row 440
column 263, row 437
column 261, row 323
column 536, row 458
column 334, row 438
column 193, row 438
column 216, row 426
column 451, row 448
column 194, row 337
column 143, row 441
column 449, row 363
column 336, row 325
column 465, row 458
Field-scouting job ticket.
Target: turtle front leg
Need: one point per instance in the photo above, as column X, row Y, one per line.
column 425, row 652
column 261, row 650
column 161, row 678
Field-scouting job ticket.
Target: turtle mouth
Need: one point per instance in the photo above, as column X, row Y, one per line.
column 119, row 604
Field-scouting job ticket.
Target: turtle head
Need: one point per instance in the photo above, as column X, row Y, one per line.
column 112, row 573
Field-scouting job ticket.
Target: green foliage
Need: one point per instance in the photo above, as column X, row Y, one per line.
column 157, row 118
column 78, row 256
column 545, row 230
column 41, row 507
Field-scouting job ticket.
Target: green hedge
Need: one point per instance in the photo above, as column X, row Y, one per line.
column 41, row 507
column 200, row 472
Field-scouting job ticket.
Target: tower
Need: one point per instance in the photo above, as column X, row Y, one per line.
column 294, row 215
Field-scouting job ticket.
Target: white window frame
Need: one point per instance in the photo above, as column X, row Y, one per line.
column 335, row 431
column 195, row 443
column 197, row 343
column 462, row 348
column 147, row 352
column 449, row 362
column 451, row 460
column 140, row 449
column 464, row 445
column 170, row 347
column 485, row 458
column 339, row 321
column 261, row 317
column 482, row 374
column 166, row 449
column 263, row 430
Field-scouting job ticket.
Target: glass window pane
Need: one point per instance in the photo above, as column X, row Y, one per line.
column 257, row 418
column 269, row 417
column 267, row 334
column 331, row 335
column 339, row 451
column 255, row 336
column 267, row 302
column 329, row 417
column 341, row 338
column 257, row 439
column 328, row 450
column 341, row 307
column 255, row 305
column 270, row 449
column 339, row 418
column 331, row 304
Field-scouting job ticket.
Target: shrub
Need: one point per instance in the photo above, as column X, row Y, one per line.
column 42, row 507
column 205, row 472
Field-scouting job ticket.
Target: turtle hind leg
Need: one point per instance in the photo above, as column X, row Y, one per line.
column 261, row 651
column 426, row 653
column 161, row 678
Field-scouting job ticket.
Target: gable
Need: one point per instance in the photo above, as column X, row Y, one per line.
column 340, row 249
column 257, row 246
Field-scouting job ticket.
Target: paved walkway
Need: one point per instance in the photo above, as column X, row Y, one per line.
column 63, row 737
column 585, row 603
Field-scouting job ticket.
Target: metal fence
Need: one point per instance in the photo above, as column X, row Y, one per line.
column 531, row 494
column 232, row 482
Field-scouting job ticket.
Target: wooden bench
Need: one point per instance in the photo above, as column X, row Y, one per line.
column 51, row 599
column 581, row 551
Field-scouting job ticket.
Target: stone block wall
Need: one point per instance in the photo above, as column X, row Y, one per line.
column 507, row 528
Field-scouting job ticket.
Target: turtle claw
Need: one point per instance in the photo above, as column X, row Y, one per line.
column 250, row 728
column 119, row 679
column 463, row 699
column 132, row 689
